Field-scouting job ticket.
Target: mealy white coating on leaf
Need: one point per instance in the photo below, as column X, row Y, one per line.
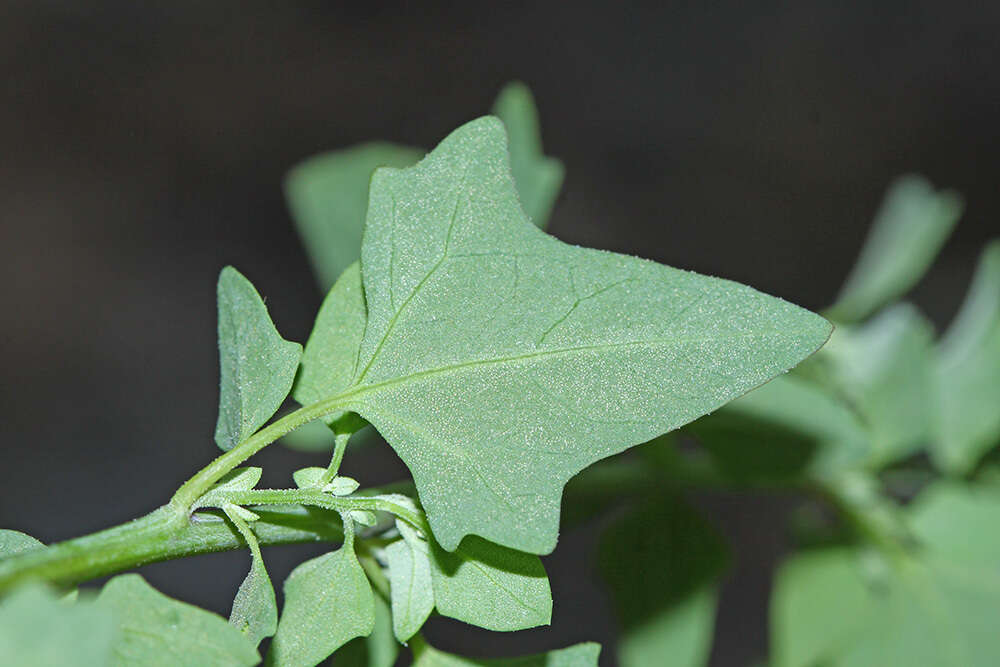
column 257, row 365
column 308, row 477
column 498, row 362
column 328, row 602
column 156, row 630
column 490, row 586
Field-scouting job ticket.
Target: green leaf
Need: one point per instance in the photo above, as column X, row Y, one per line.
column 240, row 479
column 13, row 542
column 314, row 436
column 328, row 197
column 255, row 609
column 884, row 368
column 156, row 630
column 806, row 432
column 411, row 589
column 545, row 357
column 308, row 477
column 662, row 563
column 538, row 178
column 580, row 655
column 909, row 230
column 257, row 365
column 490, row 586
column 37, row 629
column 934, row 608
column 331, row 353
column 967, row 370
column 328, row 602
column 379, row 649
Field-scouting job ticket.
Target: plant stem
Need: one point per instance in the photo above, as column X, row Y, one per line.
column 339, row 447
column 161, row 535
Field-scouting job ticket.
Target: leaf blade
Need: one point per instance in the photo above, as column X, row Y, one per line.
column 257, row 365
column 532, row 326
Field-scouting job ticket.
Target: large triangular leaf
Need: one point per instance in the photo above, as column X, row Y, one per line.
column 967, row 373
column 257, row 364
column 499, row 362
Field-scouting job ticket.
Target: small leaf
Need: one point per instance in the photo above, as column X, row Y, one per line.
column 538, row 178
column 307, row 478
column 807, row 433
column 13, row 542
column 328, row 602
column 257, row 364
column 379, row 649
column 545, row 357
column 156, row 630
column 490, row 586
column 909, row 230
column 662, row 563
column 966, row 374
column 884, row 369
column 411, row 589
column 342, row 486
column 328, row 197
column 255, row 609
column 331, row 353
column 580, row 655
column 37, row 629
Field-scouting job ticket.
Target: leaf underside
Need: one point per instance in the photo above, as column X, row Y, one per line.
column 499, row 362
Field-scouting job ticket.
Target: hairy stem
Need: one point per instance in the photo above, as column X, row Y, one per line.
column 162, row 535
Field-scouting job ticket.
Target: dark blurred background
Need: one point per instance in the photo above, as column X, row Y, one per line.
column 142, row 147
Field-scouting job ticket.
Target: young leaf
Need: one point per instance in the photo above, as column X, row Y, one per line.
column 255, row 610
column 933, row 609
column 884, row 369
column 156, row 630
column 580, row 655
column 967, row 370
column 240, row 479
column 909, row 230
column 13, row 542
column 807, row 432
column 379, row 649
column 257, row 364
column 538, row 178
column 308, row 477
column 328, row 602
column 328, row 197
column 411, row 589
column 490, row 586
column 545, row 357
column 331, row 353
column 662, row 563
column 37, row 629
